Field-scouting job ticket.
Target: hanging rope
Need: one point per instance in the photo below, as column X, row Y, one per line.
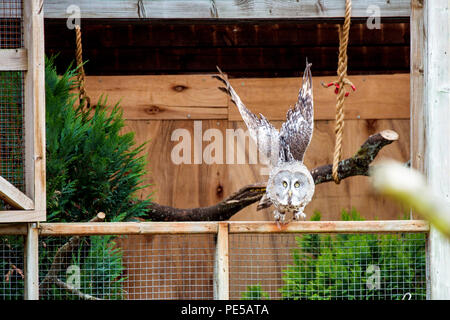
column 81, row 75
column 340, row 84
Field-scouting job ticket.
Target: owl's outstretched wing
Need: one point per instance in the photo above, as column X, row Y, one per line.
column 260, row 129
column 296, row 132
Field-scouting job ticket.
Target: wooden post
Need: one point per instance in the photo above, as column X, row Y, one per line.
column 417, row 85
column 221, row 266
column 32, row 263
column 33, row 20
column 437, row 131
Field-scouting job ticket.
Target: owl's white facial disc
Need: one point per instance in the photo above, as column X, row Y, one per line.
column 291, row 188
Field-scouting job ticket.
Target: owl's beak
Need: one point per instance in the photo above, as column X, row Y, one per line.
column 290, row 193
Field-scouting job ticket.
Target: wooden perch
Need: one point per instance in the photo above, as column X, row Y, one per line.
column 358, row 165
column 16, row 198
column 62, row 258
column 73, row 290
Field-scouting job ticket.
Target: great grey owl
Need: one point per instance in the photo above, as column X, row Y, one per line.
column 290, row 186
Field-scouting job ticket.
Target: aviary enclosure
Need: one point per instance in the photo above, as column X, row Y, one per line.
column 156, row 59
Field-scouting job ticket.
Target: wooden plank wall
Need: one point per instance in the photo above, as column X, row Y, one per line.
column 267, row 48
column 155, row 106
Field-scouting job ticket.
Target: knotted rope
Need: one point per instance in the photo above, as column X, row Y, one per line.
column 81, row 75
column 340, row 84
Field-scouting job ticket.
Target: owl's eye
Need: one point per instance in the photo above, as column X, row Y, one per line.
column 297, row 184
column 285, row 184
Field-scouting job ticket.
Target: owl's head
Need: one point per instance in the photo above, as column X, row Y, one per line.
column 291, row 185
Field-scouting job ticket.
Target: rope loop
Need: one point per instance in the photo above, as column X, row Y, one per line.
column 341, row 82
column 82, row 95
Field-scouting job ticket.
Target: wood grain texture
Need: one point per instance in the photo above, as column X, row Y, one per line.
column 223, row 9
column 31, row 283
column 221, row 264
column 386, row 226
column 35, row 172
column 417, row 88
column 233, row 33
column 263, row 48
column 161, row 97
column 13, row 59
column 195, row 185
column 417, row 83
column 437, row 132
column 123, row 228
column 247, row 61
column 377, row 97
column 22, row 216
column 14, row 196
column 182, row 97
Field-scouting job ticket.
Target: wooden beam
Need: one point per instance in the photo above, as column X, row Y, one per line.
column 13, row 59
column 13, row 229
column 387, row 226
column 223, row 9
column 14, row 196
column 437, row 132
column 32, row 263
column 177, row 97
column 118, row 228
column 376, row 97
column 22, row 216
column 161, row 97
column 221, row 265
column 33, row 25
column 417, row 85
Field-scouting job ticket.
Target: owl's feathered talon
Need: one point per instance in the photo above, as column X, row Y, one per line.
column 300, row 214
column 279, row 217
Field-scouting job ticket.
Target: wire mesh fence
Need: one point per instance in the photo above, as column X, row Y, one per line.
column 127, row 267
column 327, row 267
column 12, row 127
column 11, row 267
column 261, row 266
column 11, row 24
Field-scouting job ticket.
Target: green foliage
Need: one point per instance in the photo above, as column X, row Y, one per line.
column 345, row 266
column 91, row 166
column 97, row 264
column 11, row 129
column 254, row 292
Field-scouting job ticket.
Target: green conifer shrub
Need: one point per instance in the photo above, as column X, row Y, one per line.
column 328, row 267
column 91, row 167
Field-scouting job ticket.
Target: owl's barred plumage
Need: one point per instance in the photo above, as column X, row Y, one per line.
column 290, row 186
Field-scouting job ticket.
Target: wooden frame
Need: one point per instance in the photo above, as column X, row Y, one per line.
column 379, row 97
column 137, row 228
column 431, row 120
column 221, row 229
column 430, row 116
column 30, row 59
column 222, row 9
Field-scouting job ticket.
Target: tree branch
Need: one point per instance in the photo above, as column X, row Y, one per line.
column 358, row 165
column 62, row 256
column 73, row 290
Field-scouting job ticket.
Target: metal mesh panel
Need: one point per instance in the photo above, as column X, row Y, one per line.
column 11, row 268
column 11, row 26
column 262, row 266
column 316, row 266
column 11, row 127
column 133, row 267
